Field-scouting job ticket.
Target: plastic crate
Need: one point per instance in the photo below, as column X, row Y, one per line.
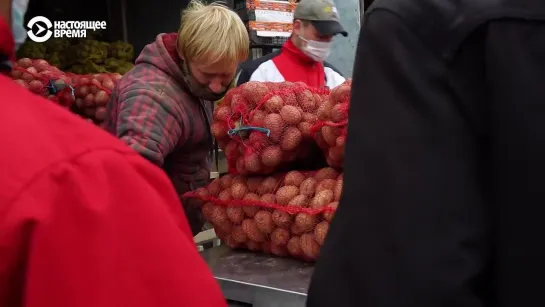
column 255, row 40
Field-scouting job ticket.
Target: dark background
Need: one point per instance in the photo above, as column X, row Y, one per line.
column 145, row 19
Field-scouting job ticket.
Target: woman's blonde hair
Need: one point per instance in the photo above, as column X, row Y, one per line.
column 212, row 34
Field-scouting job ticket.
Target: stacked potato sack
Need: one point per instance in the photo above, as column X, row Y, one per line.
column 92, row 93
column 331, row 128
column 266, row 127
column 43, row 79
column 286, row 214
column 86, row 95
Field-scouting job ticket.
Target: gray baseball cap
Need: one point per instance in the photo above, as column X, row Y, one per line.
column 322, row 14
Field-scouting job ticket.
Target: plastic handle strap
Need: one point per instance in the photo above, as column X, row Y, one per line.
column 238, row 130
column 56, row 88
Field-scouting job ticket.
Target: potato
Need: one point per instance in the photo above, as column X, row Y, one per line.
column 291, row 139
column 305, row 222
column 330, row 135
column 326, row 184
column 282, row 219
column 257, row 118
column 268, row 198
column 225, row 195
column 339, row 112
column 268, row 185
column 235, row 214
column 280, row 236
column 320, row 232
column 252, row 162
column 271, row 156
column 291, row 115
column 250, row 210
column 341, row 93
column 264, row 221
column 299, row 201
column 214, row 188
column 306, row 130
column 218, row 215
column 275, row 124
column 326, row 173
column 294, row 247
column 324, row 110
column 285, row 194
column 250, row 228
column 226, row 181
column 222, row 113
column 254, row 91
column 309, row 246
column 321, row 199
column 101, row 98
column 273, row 104
column 308, row 186
column 294, row 178
column 238, row 190
column 239, row 235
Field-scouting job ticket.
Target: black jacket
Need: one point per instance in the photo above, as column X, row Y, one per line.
column 444, row 200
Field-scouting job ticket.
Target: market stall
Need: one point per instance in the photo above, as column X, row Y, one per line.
column 278, row 179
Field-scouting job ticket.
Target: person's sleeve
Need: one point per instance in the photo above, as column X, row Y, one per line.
column 111, row 233
column 410, row 229
column 147, row 122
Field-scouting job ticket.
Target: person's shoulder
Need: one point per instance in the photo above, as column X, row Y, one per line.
column 442, row 25
column 252, row 65
column 37, row 133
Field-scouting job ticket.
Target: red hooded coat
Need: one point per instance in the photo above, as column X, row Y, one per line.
column 86, row 221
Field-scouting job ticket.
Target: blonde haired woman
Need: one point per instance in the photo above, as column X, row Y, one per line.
column 162, row 108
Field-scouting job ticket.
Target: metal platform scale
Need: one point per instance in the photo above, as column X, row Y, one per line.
column 249, row 279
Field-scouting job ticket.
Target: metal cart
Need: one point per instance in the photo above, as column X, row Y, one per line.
column 249, row 279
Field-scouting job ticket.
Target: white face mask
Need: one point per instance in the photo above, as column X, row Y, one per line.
column 318, row 51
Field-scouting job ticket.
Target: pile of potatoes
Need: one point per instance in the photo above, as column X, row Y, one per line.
column 286, row 111
column 285, row 214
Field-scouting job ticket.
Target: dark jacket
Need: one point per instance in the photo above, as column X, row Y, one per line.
column 153, row 112
column 443, row 202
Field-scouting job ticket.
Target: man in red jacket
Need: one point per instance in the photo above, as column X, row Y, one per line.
column 85, row 220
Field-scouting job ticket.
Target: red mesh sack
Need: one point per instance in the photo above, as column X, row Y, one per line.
column 331, row 128
column 285, row 214
column 92, row 93
column 44, row 79
column 265, row 127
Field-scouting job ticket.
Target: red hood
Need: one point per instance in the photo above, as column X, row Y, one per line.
column 163, row 55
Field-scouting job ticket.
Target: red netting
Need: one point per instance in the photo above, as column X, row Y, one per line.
column 86, row 95
column 43, row 79
column 92, row 93
column 283, row 214
column 265, row 127
column 331, row 128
